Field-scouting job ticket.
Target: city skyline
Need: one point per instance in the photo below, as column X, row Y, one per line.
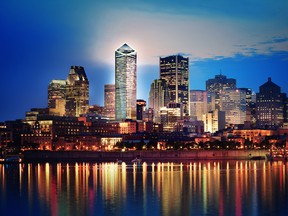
column 39, row 42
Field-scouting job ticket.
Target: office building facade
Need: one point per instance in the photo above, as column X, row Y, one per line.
column 270, row 105
column 233, row 103
column 198, row 104
column 214, row 121
column 77, row 92
column 215, row 86
column 109, row 101
column 125, row 83
column 141, row 107
column 57, row 97
column 175, row 70
column 158, row 97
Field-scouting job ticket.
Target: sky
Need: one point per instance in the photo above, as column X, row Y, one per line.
column 40, row 40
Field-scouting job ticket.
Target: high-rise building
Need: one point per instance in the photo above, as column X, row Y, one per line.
column 233, row 103
column 158, row 97
column 77, row 92
column 125, row 83
column 170, row 115
column 175, row 70
column 214, row 121
column 57, row 97
column 270, row 105
column 215, row 86
column 198, row 104
column 141, row 107
column 109, row 101
column 250, row 106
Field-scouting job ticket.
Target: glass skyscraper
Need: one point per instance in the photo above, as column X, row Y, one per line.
column 77, row 92
column 175, row 70
column 125, row 83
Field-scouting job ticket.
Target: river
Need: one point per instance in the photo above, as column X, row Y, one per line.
column 190, row 188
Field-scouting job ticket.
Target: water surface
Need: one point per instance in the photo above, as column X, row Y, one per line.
column 196, row 188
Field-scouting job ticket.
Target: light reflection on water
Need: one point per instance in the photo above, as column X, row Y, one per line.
column 196, row 188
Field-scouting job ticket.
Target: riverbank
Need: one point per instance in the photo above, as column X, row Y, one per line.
column 155, row 156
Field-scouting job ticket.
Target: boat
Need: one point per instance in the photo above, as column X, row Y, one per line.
column 136, row 160
column 257, row 158
column 11, row 159
column 277, row 155
column 119, row 161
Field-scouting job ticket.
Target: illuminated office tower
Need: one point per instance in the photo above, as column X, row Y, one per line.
column 270, row 105
column 175, row 70
column 125, row 83
column 215, row 86
column 158, row 97
column 198, row 104
column 57, row 97
column 214, row 121
column 233, row 103
column 77, row 92
column 250, row 105
column 170, row 115
column 109, row 101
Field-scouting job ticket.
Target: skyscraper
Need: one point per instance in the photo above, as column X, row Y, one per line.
column 214, row 121
column 77, row 92
column 198, row 104
column 270, row 105
column 109, row 100
column 57, row 97
column 158, row 97
column 175, row 70
column 233, row 103
column 125, row 83
column 215, row 86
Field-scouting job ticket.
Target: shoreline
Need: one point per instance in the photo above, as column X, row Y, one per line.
column 145, row 156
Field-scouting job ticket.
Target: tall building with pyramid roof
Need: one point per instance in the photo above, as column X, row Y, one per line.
column 125, row 83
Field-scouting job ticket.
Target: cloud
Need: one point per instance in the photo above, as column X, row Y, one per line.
column 275, row 39
column 199, row 37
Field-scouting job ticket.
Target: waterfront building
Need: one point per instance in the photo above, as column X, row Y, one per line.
column 158, row 97
column 270, row 105
column 77, row 92
column 215, row 86
column 233, row 103
column 109, row 101
column 141, row 107
column 57, row 97
column 198, row 104
column 125, row 83
column 214, row 121
column 175, row 70
column 254, row 134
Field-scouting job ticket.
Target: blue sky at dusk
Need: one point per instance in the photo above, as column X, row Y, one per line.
column 40, row 40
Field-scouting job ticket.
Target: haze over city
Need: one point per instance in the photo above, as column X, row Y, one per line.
column 39, row 41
